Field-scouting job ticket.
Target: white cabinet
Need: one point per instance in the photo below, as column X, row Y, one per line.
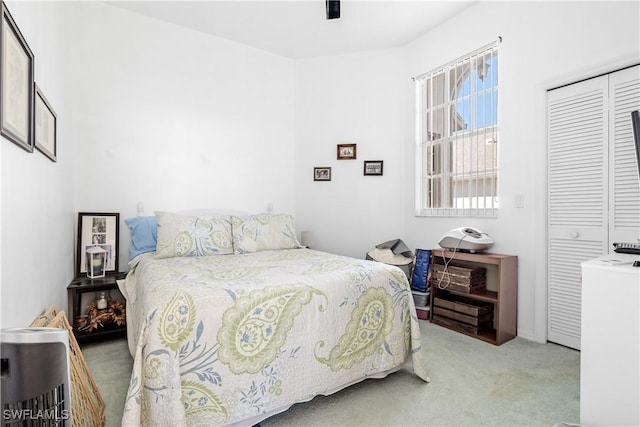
column 610, row 353
column 593, row 188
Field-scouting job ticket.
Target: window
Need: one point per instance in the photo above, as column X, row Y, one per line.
column 457, row 137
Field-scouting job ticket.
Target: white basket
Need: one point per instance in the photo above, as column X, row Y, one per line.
column 420, row 299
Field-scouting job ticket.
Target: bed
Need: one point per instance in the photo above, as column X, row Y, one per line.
column 252, row 323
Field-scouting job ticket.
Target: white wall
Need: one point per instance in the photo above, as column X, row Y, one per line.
column 351, row 99
column 37, row 194
column 148, row 112
column 177, row 119
column 355, row 98
column 545, row 44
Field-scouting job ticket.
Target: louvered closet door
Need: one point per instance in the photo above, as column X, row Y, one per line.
column 624, row 188
column 577, row 217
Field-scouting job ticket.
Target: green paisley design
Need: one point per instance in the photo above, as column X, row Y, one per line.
column 371, row 321
column 255, row 328
column 407, row 330
column 263, row 219
column 236, row 221
column 196, row 398
column 183, row 243
column 221, row 239
column 400, row 277
column 326, row 267
column 289, row 255
column 177, row 320
column 235, row 274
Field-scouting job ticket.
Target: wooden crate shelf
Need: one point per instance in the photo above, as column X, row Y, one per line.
column 501, row 291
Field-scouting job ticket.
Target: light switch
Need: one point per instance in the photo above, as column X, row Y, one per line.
column 519, row 201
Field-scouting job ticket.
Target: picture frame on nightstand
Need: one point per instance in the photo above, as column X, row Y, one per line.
column 98, row 229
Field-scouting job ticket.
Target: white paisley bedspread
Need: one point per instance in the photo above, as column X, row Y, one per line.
column 235, row 338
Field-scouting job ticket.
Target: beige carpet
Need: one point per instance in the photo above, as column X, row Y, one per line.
column 519, row 383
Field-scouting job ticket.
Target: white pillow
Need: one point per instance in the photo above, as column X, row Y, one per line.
column 184, row 235
column 263, row 232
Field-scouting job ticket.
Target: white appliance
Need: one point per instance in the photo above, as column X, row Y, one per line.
column 466, row 239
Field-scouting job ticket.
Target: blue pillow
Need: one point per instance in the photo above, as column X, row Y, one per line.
column 144, row 235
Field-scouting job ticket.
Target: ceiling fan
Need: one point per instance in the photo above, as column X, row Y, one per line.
column 333, row 9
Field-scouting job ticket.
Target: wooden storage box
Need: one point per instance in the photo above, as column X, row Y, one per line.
column 463, row 279
column 465, row 306
column 464, row 274
column 454, row 287
column 461, row 313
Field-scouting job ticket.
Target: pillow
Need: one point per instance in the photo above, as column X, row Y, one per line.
column 144, row 235
column 183, row 235
column 263, row 232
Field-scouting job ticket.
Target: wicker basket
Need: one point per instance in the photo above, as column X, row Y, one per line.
column 45, row 319
column 87, row 406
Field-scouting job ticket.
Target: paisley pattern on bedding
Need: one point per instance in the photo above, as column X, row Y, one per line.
column 224, row 340
column 177, row 320
column 256, row 327
column 263, row 232
column 371, row 321
column 183, row 235
column 197, row 399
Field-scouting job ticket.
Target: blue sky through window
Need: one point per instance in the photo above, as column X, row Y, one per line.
column 485, row 107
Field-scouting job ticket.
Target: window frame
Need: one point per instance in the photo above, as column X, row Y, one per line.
column 477, row 184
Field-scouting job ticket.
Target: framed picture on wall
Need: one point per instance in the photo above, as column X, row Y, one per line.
column 346, row 151
column 322, row 174
column 373, row 167
column 16, row 84
column 45, row 126
column 98, row 229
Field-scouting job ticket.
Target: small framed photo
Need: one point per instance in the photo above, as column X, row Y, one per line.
column 98, row 229
column 322, row 174
column 45, row 129
column 16, row 84
column 346, row 151
column 373, row 167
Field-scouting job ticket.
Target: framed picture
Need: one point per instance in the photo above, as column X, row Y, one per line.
column 373, row 167
column 98, row 229
column 45, row 126
column 322, row 174
column 16, row 84
column 346, row 151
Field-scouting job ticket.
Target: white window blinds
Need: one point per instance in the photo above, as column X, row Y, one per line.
column 457, row 137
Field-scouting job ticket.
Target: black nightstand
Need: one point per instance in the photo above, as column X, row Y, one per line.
column 109, row 322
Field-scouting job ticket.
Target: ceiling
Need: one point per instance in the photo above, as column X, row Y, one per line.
column 299, row 29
